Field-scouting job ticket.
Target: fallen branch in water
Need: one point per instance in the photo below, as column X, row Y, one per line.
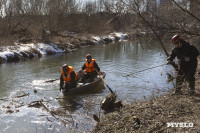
column 25, row 94
column 4, row 99
column 35, row 104
column 38, row 104
column 41, row 101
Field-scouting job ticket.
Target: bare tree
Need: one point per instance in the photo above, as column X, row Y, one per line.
column 110, row 15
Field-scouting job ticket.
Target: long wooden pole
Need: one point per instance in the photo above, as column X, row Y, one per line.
column 105, row 83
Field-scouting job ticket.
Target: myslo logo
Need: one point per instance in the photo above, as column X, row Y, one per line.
column 180, row 124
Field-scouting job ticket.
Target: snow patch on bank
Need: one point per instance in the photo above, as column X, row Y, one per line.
column 20, row 51
column 45, row 48
column 113, row 37
column 122, row 36
column 6, row 54
column 29, row 51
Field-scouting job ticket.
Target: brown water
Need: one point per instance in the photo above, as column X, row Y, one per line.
column 19, row 80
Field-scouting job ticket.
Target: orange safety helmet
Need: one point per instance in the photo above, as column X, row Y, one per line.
column 176, row 39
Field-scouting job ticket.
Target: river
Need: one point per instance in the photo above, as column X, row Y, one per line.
column 23, row 82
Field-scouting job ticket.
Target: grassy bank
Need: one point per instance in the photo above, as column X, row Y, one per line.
column 154, row 114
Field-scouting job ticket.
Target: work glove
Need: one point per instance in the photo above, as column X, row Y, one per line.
column 169, row 62
column 187, row 59
column 61, row 88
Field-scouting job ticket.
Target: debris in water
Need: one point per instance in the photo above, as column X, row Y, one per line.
column 35, row 91
column 170, row 77
column 9, row 111
column 96, row 118
column 118, row 105
column 109, row 104
column 35, row 104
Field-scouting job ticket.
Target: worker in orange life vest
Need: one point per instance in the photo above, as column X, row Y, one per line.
column 69, row 76
column 91, row 68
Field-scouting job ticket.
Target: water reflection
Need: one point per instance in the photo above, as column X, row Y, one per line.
column 75, row 102
column 70, row 104
column 115, row 59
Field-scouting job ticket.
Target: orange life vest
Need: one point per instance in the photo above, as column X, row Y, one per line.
column 67, row 78
column 90, row 66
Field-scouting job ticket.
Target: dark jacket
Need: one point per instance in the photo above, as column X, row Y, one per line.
column 186, row 50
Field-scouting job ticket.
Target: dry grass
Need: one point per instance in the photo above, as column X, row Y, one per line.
column 153, row 115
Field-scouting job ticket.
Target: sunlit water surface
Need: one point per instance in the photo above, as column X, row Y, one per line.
column 23, row 82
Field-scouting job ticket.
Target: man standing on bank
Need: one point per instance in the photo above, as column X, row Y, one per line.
column 187, row 63
column 69, row 77
column 91, row 68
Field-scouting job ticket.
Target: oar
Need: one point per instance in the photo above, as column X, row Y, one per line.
column 52, row 80
column 105, row 83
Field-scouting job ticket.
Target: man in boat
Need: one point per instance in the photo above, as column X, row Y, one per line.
column 187, row 63
column 91, row 68
column 69, row 77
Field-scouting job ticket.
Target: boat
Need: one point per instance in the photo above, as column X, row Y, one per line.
column 85, row 87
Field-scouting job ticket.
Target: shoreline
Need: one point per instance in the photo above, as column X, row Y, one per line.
column 165, row 113
column 55, row 42
column 59, row 43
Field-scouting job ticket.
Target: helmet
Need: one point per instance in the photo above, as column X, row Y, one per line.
column 176, row 39
column 88, row 56
column 65, row 67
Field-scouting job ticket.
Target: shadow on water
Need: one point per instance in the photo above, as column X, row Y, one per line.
column 74, row 102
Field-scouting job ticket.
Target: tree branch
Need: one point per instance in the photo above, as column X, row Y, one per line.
column 186, row 10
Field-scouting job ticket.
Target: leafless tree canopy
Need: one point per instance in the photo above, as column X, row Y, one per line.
column 30, row 18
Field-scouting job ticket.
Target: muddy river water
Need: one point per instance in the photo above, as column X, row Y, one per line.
column 23, row 84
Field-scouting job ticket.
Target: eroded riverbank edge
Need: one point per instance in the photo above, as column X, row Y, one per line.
column 158, row 114
column 55, row 43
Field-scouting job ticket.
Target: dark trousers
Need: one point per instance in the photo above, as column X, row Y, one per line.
column 70, row 86
column 188, row 75
column 88, row 78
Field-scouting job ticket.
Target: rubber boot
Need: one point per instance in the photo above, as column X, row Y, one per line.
column 191, row 91
column 177, row 91
column 179, row 82
column 191, row 82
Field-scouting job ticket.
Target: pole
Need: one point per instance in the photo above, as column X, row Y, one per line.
column 144, row 70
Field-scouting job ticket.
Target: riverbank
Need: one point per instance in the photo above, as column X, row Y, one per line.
column 55, row 43
column 159, row 114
